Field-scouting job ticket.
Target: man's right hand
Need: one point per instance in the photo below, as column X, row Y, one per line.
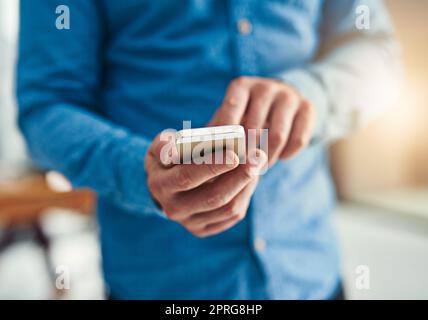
column 204, row 198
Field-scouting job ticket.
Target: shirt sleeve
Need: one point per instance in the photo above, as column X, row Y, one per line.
column 357, row 73
column 59, row 79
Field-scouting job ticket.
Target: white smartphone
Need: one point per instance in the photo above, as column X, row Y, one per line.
column 191, row 142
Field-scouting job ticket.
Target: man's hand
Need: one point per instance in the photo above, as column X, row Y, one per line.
column 206, row 198
column 260, row 103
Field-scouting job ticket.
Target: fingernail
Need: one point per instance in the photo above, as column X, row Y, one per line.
column 258, row 159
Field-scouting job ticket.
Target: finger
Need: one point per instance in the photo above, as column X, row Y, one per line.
column 189, row 176
column 301, row 132
column 217, row 228
column 217, row 194
column 234, row 104
column 261, row 99
column 281, row 117
column 163, row 149
column 237, row 207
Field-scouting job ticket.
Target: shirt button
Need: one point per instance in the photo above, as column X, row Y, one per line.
column 259, row 245
column 244, row 26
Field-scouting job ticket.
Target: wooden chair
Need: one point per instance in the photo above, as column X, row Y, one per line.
column 24, row 200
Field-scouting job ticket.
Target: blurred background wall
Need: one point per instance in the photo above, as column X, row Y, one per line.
column 11, row 144
column 393, row 151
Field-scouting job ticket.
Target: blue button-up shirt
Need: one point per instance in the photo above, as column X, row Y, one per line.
column 92, row 97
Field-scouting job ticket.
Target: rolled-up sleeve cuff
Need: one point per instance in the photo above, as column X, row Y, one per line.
column 135, row 194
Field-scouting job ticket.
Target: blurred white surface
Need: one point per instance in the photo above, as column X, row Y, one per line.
column 393, row 246
column 74, row 245
column 407, row 201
